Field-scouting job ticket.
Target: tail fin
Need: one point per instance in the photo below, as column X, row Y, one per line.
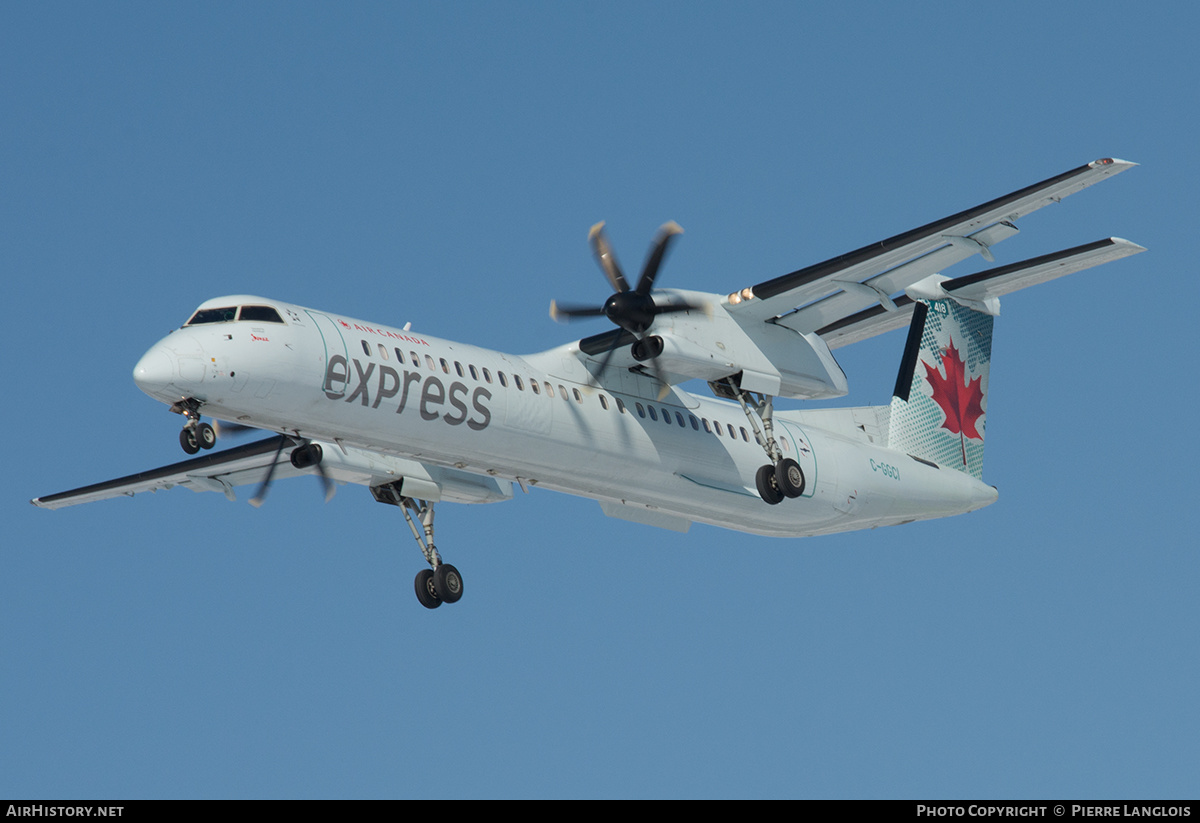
column 940, row 401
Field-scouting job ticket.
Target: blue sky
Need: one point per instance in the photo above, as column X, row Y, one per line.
column 440, row 164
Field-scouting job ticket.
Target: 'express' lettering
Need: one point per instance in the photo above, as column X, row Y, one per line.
column 433, row 394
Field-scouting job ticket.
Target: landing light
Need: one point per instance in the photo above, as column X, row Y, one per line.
column 739, row 296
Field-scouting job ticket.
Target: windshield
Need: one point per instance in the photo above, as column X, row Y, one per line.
column 226, row 314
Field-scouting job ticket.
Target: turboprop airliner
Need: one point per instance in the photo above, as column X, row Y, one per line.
column 420, row 420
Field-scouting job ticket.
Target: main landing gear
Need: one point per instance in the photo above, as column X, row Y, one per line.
column 195, row 435
column 441, row 583
column 782, row 477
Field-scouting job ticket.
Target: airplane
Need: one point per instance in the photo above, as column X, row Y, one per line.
column 420, row 420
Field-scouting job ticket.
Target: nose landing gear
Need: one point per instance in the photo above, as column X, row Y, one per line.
column 195, row 435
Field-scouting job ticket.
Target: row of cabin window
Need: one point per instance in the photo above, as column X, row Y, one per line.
column 475, row 373
column 696, row 423
column 715, row 427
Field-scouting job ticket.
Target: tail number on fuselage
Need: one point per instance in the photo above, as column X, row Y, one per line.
column 385, row 383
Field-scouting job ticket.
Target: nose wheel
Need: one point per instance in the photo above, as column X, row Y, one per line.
column 197, row 436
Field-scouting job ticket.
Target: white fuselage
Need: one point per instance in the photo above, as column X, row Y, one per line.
column 539, row 420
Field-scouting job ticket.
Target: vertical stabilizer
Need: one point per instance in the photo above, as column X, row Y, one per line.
column 940, row 402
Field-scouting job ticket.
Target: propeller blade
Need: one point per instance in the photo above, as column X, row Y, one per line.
column 605, row 257
column 261, row 494
column 326, row 484
column 649, row 271
column 661, row 378
column 563, row 314
column 616, row 344
column 224, row 428
column 674, row 308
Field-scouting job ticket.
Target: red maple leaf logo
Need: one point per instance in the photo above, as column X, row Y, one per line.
column 960, row 400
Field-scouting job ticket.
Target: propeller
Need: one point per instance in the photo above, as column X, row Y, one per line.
column 633, row 310
column 306, row 454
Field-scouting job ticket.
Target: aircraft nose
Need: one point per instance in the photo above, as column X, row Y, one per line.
column 155, row 371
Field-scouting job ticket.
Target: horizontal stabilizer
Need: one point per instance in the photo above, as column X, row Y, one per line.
column 1004, row 279
column 990, row 283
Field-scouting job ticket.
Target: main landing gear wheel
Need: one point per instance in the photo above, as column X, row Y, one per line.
column 426, row 591
column 441, row 582
column 447, row 583
column 789, row 477
column 768, row 485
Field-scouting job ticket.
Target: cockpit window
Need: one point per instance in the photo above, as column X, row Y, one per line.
column 257, row 314
column 261, row 314
column 223, row 315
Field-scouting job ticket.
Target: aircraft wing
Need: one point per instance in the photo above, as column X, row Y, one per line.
column 850, row 297
column 220, row 471
column 225, row 470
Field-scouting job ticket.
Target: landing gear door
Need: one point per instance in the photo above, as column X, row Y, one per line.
column 336, row 376
column 794, row 443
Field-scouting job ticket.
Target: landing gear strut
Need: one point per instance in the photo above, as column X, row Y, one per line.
column 782, row 477
column 441, row 583
column 195, row 435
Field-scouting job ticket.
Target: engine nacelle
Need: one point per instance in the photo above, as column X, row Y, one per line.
column 765, row 357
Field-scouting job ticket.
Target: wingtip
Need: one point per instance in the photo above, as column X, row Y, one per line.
column 1134, row 248
column 1120, row 165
